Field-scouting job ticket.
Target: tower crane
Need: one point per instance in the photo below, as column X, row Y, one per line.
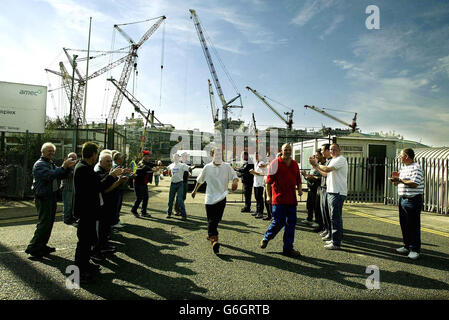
column 78, row 94
column 214, row 110
column 288, row 121
column 353, row 125
column 138, row 107
column 130, row 62
column 210, row 64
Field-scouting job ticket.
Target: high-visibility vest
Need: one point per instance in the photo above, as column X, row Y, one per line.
column 133, row 166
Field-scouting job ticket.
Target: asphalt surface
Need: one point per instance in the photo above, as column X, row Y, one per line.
column 161, row 258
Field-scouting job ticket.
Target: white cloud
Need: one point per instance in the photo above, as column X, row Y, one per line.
column 335, row 22
column 310, row 9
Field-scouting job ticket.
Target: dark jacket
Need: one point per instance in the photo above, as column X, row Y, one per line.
column 244, row 173
column 144, row 173
column 44, row 174
column 87, row 188
column 110, row 198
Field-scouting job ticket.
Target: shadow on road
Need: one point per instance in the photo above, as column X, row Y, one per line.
column 23, row 270
column 334, row 271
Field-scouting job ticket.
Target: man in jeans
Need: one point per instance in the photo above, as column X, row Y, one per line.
column 142, row 176
column 336, row 173
column 282, row 181
column 177, row 170
column 410, row 182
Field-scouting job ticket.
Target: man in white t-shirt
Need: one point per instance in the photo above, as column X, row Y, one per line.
column 336, row 173
column 217, row 175
column 177, row 170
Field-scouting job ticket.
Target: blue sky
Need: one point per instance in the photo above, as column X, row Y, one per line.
column 312, row 52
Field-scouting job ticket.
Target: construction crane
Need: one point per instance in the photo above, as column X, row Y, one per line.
column 288, row 121
column 353, row 125
column 138, row 107
column 130, row 62
column 78, row 91
column 210, row 64
column 212, row 103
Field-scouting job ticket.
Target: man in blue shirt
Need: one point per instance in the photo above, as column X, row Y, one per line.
column 45, row 187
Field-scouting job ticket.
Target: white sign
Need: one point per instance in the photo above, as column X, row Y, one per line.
column 22, row 107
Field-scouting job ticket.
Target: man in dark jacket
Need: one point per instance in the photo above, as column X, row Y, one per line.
column 142, row 176
column 109, row 207
column 87, row 201
column 45, row 186
column 247, row 181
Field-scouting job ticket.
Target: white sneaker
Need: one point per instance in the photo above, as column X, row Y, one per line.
column 118, row 225
column 329, row 242
column 326, row 238
column 315, row 225
column 331, row 246
column 402, row 250
column 323, row 234
column 413, row 255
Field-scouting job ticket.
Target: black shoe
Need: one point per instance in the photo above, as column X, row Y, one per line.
column 267, row 218
column 108, row 249
column 98, row 257
column 168, row 216
column 216, row 247
column 49, row 249
column 258, row 216
column 35, row 254
column 146, row 215
column 263, row 243
column 292, row 253
column 245, row 210
column 135, row 213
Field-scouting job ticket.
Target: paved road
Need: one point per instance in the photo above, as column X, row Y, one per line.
column 171, row 259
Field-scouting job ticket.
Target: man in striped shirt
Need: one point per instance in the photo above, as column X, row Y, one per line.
column 410, row 182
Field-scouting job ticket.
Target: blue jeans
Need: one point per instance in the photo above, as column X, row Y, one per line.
column 141, row 196
column 335, row 202
column 410, row 220
column 67, row 197
column 176, row 188
column 283, row 216
column 156, row 179
column 325, row 211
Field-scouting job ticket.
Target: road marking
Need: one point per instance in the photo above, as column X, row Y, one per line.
column 370, row 216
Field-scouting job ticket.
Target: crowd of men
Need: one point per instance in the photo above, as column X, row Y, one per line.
column 93, row 188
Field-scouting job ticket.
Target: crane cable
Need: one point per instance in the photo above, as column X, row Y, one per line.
column 278, row 103
column 127, row 24
column 219, row 60
column 162, row 64
column 107, row 86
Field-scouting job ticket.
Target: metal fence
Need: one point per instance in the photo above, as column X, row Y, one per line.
column 436, row 187
column 368, row 182
column 366, row 178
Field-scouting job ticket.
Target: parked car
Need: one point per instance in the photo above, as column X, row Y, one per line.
column 192, row 180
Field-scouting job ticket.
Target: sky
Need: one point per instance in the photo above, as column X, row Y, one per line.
column 295, row 52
